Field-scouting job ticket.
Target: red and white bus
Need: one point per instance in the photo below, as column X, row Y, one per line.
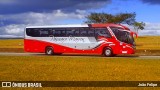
column 105, row 39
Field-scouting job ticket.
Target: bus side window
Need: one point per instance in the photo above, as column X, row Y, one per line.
column 53, row 32
column 83, row 32
column 44, row 33
column 102, row 32
column 59, row 32
column 63, row 33
column 91, row 32
column 50, row 32
column 70, row 32
column 36, row 33
column 29, row 32
column 56, row 33
column 76, row 33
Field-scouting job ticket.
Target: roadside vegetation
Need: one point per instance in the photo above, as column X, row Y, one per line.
column 11, row 45
column 78, row 68
column 148, row 45
column 75, row 68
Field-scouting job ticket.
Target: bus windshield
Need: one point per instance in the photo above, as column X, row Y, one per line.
column 123, row 36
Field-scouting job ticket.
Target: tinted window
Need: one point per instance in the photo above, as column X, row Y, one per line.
column 91, row 32
column 122, row 35
column 68, row 32
column 83, row 32
column 118, row 32
column 102, row 32
column 43, row 33
column 59, row 32
column 77, row 33
column 33, row 32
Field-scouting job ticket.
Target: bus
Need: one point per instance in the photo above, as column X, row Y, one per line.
column 103, row 39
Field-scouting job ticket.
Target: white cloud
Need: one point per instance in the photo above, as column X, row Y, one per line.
column 149, row 32
column 10, row 36
column 19, row 21
column 152, row 29
column 152, row 26
column 56, row 17
column 32, row 18
column 14, row 29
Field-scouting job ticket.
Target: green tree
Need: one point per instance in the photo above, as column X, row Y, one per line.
column 139, row 26
column 121, row 18
column 127, row 18
column 99, row 18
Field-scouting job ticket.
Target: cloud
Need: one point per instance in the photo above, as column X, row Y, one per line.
column 17, row 22
column 157, row 2
column 149, row 33
column 152, row 26
column 15, row 15
column 22, row 6
column 9, row 36
column 13, row 29
column 54, row 17
column 152, row 29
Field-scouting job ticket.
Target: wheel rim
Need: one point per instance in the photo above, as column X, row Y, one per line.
column 49, row 51
column 108, row 52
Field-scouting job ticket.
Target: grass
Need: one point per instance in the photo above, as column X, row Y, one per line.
column 148, row 43
column 11, row 45
column 88, row 68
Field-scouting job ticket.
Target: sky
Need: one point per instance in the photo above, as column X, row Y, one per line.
column 15, row 15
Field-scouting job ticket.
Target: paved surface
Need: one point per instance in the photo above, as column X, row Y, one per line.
column 96, row 56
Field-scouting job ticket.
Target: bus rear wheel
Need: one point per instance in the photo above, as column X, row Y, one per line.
column 49, row 51
column 108, row 52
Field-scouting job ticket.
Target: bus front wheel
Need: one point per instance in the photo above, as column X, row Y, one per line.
column 49, row 51
column 108, row 52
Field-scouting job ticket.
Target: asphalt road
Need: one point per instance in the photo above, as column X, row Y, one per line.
column 69, row 55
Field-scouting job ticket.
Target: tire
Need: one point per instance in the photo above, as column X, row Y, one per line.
column 49, row 51
column 108, row 52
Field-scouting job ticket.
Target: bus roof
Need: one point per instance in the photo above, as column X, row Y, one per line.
column 110, row 24
column 60, row 26
column 81, row 25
